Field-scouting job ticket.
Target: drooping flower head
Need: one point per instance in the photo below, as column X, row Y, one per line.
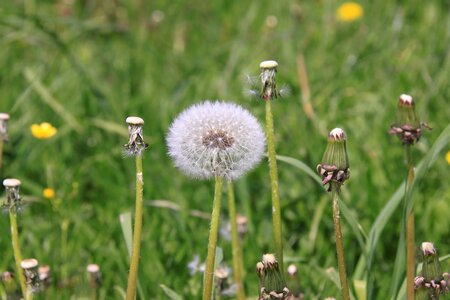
column 215, row 139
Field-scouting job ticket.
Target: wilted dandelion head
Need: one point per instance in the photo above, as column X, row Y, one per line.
column 215, row 139
column 136, row 144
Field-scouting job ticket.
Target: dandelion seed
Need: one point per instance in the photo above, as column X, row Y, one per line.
column 43, row 131
column 215, row 139
column 349, row 12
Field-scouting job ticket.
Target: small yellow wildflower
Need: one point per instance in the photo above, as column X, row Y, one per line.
column 349, row 12
column 447, row 157
column 48, row 193
column 43, row 131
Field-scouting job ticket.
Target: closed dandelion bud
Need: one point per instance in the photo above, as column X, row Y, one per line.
column 30, row 270
column 4, row 126
column 293, row 282
column 431, row 269
column 136, row 144
column 8, row 282
column 407, row 125
column 13, row 199
column 45, row 275
column 269, row 86
column 242, row 227
column 273, row 285
column 335, row 165
column 95, row 277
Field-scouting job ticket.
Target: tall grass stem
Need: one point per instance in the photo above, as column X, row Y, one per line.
column 273, row 172
column 211, row 256
column 410, row 248
column 235, row 244
column 16, row 249
column 135, row 253
column 339, row 243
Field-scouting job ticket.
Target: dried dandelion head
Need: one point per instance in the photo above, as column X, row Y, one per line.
column 136, row 144
column 215, row 139
column 13, row 200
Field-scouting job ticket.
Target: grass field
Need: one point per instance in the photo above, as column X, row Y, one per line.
column 84, row 66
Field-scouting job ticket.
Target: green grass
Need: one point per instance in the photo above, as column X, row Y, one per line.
column 87, row 71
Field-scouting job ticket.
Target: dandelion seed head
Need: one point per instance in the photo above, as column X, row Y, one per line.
column 215, row 139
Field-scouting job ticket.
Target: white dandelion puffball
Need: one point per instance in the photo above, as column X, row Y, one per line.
column 216, row 139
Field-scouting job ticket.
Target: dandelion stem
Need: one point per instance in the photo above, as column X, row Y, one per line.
column 339, row 243
column 16, row 248
column 29, row 294
column 273, row 171
column 210, row 259
column 410, row 264
column 1, row 154
column 135, row 253
column 235, row 244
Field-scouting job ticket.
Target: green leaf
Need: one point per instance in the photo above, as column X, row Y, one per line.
column 127, row 230
column 170, row 293
column 354, row 225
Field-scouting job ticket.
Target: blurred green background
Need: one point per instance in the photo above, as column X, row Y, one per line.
column 84, row 66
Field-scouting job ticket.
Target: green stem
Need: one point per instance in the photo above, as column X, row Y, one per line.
column 410, row 248
column 339, row 244
column 135, row 253
column 1, row 154
column 273, row 171
column 16, row 248
column 210, row 259
column 29, row 295
column 235, row 245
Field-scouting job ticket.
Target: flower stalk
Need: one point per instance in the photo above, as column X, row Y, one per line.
column 339, row 243
column 334, row 171
column 13, row 203
column 408, row 128
column 235, row 245
column 135, row 147
column 410, row 245
column 268, row 93
column 212, row 242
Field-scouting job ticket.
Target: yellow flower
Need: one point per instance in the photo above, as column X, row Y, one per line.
column 447, row 157
column 48, row 193
column 43, row 131
column 349, row 12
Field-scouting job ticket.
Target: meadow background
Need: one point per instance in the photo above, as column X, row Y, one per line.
column 84, row 66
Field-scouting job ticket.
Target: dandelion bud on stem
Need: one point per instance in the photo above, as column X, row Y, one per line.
column 334, row 170
column 271, row 279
